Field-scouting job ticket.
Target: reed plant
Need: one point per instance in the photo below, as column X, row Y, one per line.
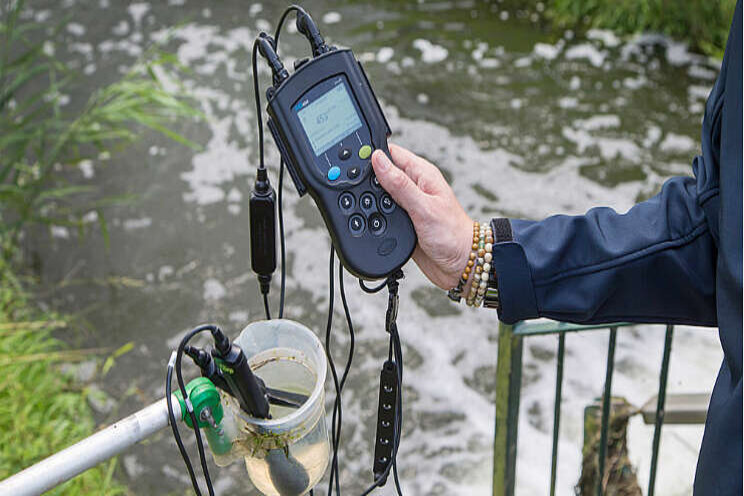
column 703, row 24
column 43, row 410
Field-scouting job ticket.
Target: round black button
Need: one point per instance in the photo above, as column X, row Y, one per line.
column 376, row 223
column 387, row 204
column 356, row 225
column 367, row 201
column 344, row 153
column 375, row 182
column 353, row 173
column 346, row 201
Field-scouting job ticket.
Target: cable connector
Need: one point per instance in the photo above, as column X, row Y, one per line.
column 267, row 49
column 309, row 30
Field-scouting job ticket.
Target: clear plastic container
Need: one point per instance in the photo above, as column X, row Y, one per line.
column 288, row 454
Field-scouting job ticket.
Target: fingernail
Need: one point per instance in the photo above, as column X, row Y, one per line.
column 383, row 163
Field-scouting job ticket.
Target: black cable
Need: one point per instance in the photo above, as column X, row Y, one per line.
column 375, row 289
column 329, row 357
column 266, row 306
column 174, row 428
column 192, row 415
column 349, row 323
column 281, row 241
column 287, row 11
column 258, row 106
column 337, row 405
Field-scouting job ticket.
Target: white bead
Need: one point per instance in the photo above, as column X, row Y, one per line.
column 476, row 277
column 484, row 276
column 480, row 260
column 489, row 247
column 486, row 266
column 484, row 285
column 488, row 257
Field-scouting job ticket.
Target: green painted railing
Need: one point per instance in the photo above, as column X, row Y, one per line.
column 508, row 391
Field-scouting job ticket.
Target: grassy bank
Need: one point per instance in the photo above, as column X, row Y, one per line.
column 42, row 141
column 41, row 409
column 704, row 24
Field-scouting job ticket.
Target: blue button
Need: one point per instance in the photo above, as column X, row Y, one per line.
column 333, row 173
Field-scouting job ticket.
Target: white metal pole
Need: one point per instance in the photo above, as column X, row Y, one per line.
column 89, row 452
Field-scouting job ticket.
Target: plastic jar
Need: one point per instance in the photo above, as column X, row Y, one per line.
column 288, row 454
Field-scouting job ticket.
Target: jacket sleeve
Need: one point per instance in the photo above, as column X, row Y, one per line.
column 655, row 263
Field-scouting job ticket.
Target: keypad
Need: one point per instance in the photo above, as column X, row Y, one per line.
column 387, row 204
column 367, row 202
column 346, row 201
column 377, row 224
column 356, row 225
column 333, row 173
column 365, row 151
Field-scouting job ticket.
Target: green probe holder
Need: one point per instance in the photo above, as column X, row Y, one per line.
column 203, row 394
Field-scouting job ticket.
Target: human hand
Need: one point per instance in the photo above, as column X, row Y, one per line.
column 444, row 230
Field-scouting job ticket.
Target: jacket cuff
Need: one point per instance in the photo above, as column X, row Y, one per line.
column 516, row 294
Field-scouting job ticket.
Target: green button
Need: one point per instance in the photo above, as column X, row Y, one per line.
column 365, row 152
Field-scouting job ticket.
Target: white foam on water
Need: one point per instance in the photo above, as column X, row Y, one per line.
column 546, row 51
column 213, row 290
column 86, row 167
column 384, row 55
column 586, row 51
column 430, row 53
column 138, row 11
column 133, row 224
column 331, row 17
column 677, row 143
column 60, row 232
column 598, row 122
column 75, row 29
column 607, row 37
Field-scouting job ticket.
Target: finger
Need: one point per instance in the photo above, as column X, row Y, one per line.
column 403, row 190
column 416, row 167
column 425, row 174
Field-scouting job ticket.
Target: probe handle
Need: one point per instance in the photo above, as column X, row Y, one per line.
column 386, row 413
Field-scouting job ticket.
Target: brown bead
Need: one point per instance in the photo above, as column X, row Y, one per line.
column 479, row 269
column 472, row 256
column 470, row 263
column 467, row 270
column 489, row 239
column 481, row 251
column 465, row 276
column 475, row 247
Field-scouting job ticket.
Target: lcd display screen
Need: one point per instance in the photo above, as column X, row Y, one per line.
column 329, row 118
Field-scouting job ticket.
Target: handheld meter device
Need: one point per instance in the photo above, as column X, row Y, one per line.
column 326, row 122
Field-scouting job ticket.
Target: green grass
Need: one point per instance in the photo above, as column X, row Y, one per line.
column 41, row 409
column 704, row 24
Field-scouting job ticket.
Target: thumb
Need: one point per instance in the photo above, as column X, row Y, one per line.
column 403, row 190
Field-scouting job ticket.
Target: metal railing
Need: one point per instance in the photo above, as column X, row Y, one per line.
column 508, row 392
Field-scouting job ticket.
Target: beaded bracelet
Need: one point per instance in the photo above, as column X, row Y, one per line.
column 455, row 294
column 482, row 266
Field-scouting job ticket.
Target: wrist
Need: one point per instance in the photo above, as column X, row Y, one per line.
column 462, row 269
column 463, row 250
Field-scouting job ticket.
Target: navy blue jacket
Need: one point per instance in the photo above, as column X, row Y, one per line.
column 676, row 258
